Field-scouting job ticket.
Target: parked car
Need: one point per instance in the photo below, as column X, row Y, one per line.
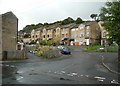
column 61, row 47
column 65, row 51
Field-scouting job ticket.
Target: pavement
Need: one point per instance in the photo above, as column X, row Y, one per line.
column 111, row 63
column 79, row 68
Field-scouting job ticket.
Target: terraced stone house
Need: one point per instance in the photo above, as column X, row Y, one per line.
column 104, row 33
column 86, row 33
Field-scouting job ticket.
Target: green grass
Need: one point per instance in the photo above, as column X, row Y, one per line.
column 112, row 48
column 92, row 48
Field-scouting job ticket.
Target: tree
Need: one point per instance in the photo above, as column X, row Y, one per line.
column 95, row 17
column 28, row 28
column 38, row 25
column 79, row 21
column 110, row 14
column 27, row 35
column 46, row 24
column 67, row 21
column 56, row 39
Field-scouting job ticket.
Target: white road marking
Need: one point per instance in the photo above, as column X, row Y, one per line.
column 99, row 77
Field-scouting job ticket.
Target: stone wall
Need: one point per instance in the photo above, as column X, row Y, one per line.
column 15, row 55
column 10, row 27
column 0, row 37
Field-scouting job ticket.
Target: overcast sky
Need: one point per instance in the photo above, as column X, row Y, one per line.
column 41, row 11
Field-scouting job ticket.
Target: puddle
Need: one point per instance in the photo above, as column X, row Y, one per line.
column 12, row 66
column 7, row 65
column 69, row 74
column 55, row 72
column 75, row 74
column 100, row 79
column 49, row 71
column 87, row 75
column 33, row 74
column 114, row 82
column 81, row 75
column 65, row 79
column 62, row 71
column 19, row 72
column 19, row 78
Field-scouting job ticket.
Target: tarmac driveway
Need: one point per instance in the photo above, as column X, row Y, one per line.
column 78, row 68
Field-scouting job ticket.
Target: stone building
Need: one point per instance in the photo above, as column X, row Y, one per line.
column 86, row 33
column 0, row 37
column 36, row 35
column 104, row 34
column 66, row 33
column 8, row 32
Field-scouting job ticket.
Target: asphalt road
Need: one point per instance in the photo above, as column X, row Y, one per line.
column 78, row 68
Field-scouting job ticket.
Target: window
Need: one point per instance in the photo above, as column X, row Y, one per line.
column 48, row 36
column 76, row 28
column 97, row 28
column 33, row 36
column 87, row 34
column 36, row 36
column 73, row 29
column 48, row 30
column 57, row 30
column 62, row 35
column 76, row 35
column 104, row 34
column 43, row 36
column 81, row 27
column 44, row 30
column 81, row 35
column 66, row 35
column 87, row 27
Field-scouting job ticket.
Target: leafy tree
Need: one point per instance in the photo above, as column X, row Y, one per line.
column 95, row 17
column 56, row 39
column 38, row 25
column 28, row 28
column 27, row 35
column 67, row 21
column 45, row 24
column 79, row 21
column 110, row 14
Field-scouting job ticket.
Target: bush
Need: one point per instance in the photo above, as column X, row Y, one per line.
column 46, row 52
column 49, row 43
column 39, row 53
column 51, row 54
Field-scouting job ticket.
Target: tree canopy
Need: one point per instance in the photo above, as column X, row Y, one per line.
column 67, row 21
column 29, row 28
column 110, row 14
column 95, row 17
column 78, row 20
column 111, row 17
